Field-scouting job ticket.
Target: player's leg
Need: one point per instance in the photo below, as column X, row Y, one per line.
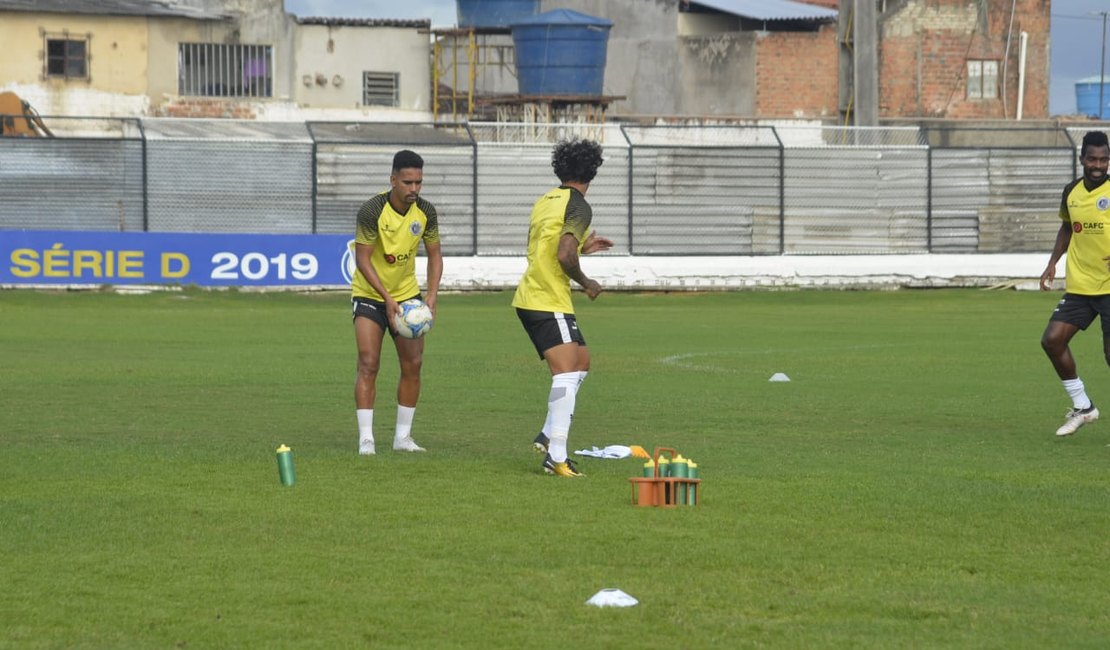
column 1072, row 314
column 368, row 337
column 562, row 360
column 410, row 353
column 542, row 440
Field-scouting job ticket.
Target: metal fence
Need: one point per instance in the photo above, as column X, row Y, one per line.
column 663, row 190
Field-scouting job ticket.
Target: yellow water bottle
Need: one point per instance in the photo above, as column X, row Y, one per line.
column 679, row 469
column 285, row 466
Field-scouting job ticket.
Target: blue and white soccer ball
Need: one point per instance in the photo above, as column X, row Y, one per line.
column 414, row 320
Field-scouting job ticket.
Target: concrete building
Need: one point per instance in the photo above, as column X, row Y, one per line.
column 786, row 58
column 211, row 58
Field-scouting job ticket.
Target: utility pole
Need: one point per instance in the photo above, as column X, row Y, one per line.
column 1102, row 63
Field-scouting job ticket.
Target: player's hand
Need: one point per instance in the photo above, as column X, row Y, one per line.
column 593, row 289
column 594, row 244
column 431, row 300
column 1049, row 275
column 392, row 310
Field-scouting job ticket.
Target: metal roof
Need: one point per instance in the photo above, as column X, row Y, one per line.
column 769, row 9
column 414, row 23
column 167, row 8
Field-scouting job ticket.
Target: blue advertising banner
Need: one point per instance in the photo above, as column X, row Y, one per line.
column 63, row 257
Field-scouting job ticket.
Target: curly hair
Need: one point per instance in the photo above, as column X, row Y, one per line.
column 1092, row 139
column 576, row 161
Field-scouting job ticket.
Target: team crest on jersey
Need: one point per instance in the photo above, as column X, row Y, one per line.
column 1102, row 203
column 414, row 227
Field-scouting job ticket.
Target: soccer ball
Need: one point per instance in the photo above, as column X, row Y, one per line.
column 414, row 320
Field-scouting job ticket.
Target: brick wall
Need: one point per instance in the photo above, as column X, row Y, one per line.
column 206, row 107
column 796, row 74
column 924, row 49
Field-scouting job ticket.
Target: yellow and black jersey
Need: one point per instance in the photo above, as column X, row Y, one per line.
column 544, row 285
column 1087, row 212
column 395, row 238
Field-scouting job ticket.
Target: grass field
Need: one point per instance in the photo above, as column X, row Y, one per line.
column 905, row 489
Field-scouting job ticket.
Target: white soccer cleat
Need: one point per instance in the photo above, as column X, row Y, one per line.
column 406, row 444
column 365, row 447
column 1076, row 418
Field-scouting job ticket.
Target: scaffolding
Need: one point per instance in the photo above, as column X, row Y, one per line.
column 458, row 56
column 464, row 61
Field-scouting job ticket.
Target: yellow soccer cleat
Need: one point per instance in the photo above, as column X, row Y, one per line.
column 566, row 469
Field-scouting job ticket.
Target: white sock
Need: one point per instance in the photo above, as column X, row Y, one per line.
column 560, row 403
column 547, row 421
column 365, row 425
column 404, row 422
column 1077, row 392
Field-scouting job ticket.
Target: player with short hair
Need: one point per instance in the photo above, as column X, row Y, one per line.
column 1085, row 236
column 391, row 226
column 557, row 234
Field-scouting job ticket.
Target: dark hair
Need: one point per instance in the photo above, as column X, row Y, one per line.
column 576, row 160
column 406, row 159
column 1093, row 139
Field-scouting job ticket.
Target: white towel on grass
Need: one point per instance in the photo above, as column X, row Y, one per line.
column 612, row 451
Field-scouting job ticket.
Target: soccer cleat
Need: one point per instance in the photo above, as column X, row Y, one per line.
column 1076, row 418
column 406, row 444
column 365, row 447
column 565, row 469
column 540, row 443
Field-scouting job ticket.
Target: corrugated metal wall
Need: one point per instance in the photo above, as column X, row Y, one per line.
column 663, row 190
column 72, row 184
column 227, row 176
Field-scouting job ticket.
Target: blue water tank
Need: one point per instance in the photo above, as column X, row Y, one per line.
column 561, row 52
column 494, row 13
column 1087, row 95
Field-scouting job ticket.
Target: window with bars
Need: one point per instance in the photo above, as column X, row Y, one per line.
column 982, row 79
column 223, row 70
column 67, row 57
column 381, row 89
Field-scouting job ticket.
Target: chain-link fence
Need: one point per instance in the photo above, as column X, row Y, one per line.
column 663, row 190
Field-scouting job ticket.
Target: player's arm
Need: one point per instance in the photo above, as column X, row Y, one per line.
column 568, row 259
column 435, row 273
column 1063, row 238
column 362, row 260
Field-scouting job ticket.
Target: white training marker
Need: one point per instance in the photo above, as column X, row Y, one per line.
column 612, row 598
column 779, row 376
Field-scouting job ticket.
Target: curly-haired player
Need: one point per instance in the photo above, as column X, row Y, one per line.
column 559, row 231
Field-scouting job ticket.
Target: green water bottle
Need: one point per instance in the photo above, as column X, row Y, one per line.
column 285, row 466
column 692, row 469
column 664, row 467
column 649, row 468
column 679, row 469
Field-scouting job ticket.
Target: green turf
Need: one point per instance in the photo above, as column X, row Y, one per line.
column 903, row 490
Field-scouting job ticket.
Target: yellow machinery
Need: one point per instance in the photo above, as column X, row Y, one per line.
column 19, row 120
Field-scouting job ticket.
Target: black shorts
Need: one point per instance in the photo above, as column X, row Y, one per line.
column 374, row 310
column 548, row 329
column 1080, row 311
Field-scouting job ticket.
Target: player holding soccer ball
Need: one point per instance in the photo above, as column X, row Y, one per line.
column 390, row 227
column 556, row 236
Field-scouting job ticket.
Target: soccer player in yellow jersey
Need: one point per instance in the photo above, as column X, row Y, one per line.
column 391, row 226
column 557, row 234
column 1085, row 236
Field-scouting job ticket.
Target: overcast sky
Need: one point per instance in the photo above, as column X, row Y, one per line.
column 1076, row 34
